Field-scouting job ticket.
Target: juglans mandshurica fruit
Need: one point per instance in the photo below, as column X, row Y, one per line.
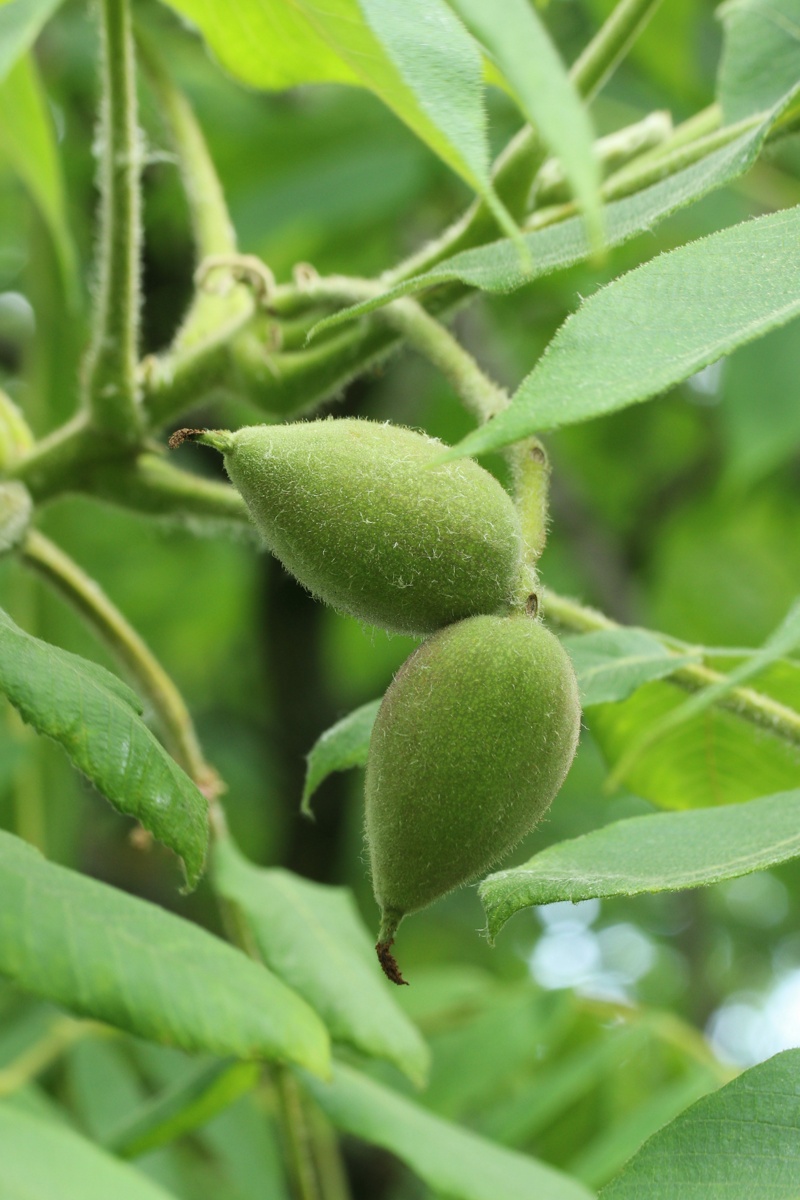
column 472, row 741
column 365, row 518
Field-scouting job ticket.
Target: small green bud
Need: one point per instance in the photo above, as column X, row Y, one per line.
column 16, row 438
column 471, row 743
column 361, row 516
column 16, row 509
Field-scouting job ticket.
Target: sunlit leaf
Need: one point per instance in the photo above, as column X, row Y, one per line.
column 452, row 1161
column 497, row 267
column 760, row 55
column 28, row 146
column 783, row 642
column 116, row 958
column 720, row 758
column 312, row 937
column 740, row 1142
column 661, row 853
column 342, row 746
column 519, row 45
column 656, row 326
column 20, row 24
column 42, row 1160
column 417, row 57
column 95, row 717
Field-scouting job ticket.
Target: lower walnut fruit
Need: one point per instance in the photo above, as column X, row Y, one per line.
column 471, row 743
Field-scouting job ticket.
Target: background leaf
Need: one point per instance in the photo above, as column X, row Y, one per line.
column 760, row 56
column 42, row 1160
column 666, row 852
column 342, row 746
column 612, row 664
column 520, row 47
column 312, row 937
column 95, row 717
column 107, row 955
column 497, row 267
column 741, row 1141
column 656, row 326
column 450, row 1160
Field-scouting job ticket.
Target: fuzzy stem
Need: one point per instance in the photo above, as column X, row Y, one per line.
column 110, row 381
column 151, row 485
column 609, row 46
column 481, row 395
column 108, row 623
column 747, row 703
column 530, row 469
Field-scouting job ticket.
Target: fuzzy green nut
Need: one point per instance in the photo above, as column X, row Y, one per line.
column 365, row 518
column 471, row 743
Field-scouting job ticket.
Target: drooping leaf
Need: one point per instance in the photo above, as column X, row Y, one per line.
column 42, row 1160
column 119, row 959
column 416, row 56
column 612, row 663
column 760, row 55
column 720, row 758
column 783, row 642
column 741, row 1142
column 656, row 326
column 95, row 717
column 662, row 853
column 339, row 748
column 28, row 146
column 20, row 24
column 497, row 267
column 452, row 1161
column 519, row 45
column 181, row 1109
column 312, row 937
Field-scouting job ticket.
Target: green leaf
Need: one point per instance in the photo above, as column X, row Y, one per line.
column 520, row 47
column 416, row 56
column 342, row 746
column 741, row 1142
column 451, row 1161
column 42, row 1160
column 20, row 24
column 760, row 55
column 497, row 267
column 95, row 717
column 119, row 959
column 663, row 853
column 780, row 644
column 28, row 146
column 188, row 1105
column 656, row 326
column 312, row 937
column 612, row 663
column 718, row 759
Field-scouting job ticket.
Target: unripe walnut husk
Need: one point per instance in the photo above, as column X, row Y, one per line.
column 365, row 518
column 472, row 742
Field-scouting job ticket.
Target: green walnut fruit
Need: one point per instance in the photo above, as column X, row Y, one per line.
column 363, row 516
column 471, row 743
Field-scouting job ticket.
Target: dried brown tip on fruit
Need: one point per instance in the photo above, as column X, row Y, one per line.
column 389, row 963
column 183, row 435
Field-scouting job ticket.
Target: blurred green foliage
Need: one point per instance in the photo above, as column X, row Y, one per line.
column 681, row 515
